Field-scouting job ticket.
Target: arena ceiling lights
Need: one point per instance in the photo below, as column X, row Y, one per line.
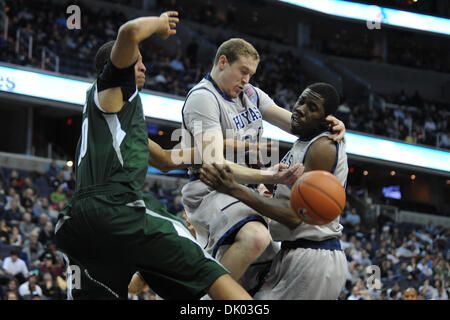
column 73, row 91
column 371, row 13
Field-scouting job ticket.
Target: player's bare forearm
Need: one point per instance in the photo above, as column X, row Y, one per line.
column 248, row 175
column 276, row 209
column 144, row 27
column 279, row 117
column 167, row 160
column 125, row 50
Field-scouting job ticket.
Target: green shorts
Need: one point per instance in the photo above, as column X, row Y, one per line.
column 108, row 242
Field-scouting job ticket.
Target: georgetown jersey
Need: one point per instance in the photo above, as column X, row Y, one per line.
column 296, row 155
column 113, row 147
column 207, row 108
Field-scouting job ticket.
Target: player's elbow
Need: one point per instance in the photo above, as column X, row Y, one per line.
column 129, row 31
column 163, row 167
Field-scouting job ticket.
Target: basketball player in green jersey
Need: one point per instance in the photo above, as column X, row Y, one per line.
column 107, row 231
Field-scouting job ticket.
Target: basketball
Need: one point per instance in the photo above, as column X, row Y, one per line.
column 321, row 194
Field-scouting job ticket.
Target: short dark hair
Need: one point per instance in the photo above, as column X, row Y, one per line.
column 15, row 252
column 103, row 55
column 329, row 94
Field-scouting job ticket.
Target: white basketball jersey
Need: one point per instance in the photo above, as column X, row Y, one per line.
column 207, row 108
column 296, row 155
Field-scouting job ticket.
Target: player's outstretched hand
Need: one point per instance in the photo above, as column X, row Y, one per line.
column 168, row 24
column 219, row 177
column 338, row 127
column 287, row 176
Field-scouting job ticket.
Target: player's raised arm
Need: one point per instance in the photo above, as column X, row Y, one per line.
column 125, row 50
column 117, row 81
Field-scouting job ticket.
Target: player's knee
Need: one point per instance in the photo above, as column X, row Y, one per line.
column 255, row 237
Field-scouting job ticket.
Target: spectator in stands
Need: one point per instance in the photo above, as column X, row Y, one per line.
column 52, row 171
column 28, row 184
column 50, row 288
column 27, row 226
column 15, row 181
column 12, row 286
column 410, row 294
column 66, row 172
column 30, row 287
column 424, row 267
column 58, row 195
column 15, row 266
column 426, row 290
column 353, row 218
column 430, row 228
column 177, row 207
column 13, row 215
column 47, row 233
column 404, row 251
column 2, row 197
column 355, row 294
column 71, row 182
column 439, row 292
column 444, row 140
column 47, row 265
column 60, row 181
column 43, row 207
column 177, row 190
column 344, row 243
column 365, row 260
column 4, row 232
column 157, row 189
column 442, row 268
column 42, row 221
column 9, row 197
column 15, row 238
column 28, row 198
column 12, row 295
column 33, row 248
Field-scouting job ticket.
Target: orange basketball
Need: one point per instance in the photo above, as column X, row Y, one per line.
column 321, row 194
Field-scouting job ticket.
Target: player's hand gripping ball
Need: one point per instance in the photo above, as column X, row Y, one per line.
column 321, row 195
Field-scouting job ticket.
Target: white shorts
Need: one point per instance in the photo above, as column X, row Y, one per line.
column 305, row 274
column 216, row 218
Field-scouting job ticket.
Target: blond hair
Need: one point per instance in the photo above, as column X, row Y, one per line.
column 235, row 48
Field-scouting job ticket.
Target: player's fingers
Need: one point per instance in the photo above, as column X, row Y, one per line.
column 172, row 13
column 206, row 181
column 207, row 169
column 334, row 121
column 220, row 169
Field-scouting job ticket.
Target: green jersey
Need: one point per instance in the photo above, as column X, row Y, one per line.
column 113, row 147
